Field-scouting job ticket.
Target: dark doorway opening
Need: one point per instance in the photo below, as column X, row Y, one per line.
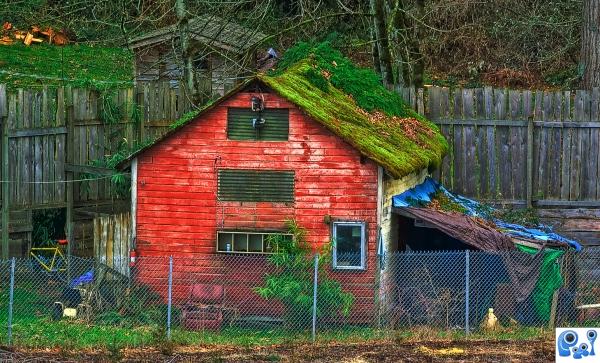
column 417, row 235
column 48, row 226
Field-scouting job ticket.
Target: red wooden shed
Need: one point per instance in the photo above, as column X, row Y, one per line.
column 280, row 146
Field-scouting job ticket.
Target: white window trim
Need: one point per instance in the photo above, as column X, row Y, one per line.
column 248, row 233
column 363, row 244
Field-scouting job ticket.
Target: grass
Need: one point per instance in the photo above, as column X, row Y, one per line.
column 40, row 332
column 81, row 65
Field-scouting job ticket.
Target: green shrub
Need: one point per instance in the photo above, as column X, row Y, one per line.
column 292, row 283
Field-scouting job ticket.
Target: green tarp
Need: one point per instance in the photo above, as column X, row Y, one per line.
column 549, row 280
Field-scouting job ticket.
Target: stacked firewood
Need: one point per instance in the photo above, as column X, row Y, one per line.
column 35, row 34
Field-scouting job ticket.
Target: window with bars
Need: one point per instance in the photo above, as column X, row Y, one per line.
column 240, row 125
column 255, row 185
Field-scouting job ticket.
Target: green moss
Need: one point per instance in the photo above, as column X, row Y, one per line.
column 317, row 79
column 525, row 216
column 80, row 65
column 185, row 118
column 348, row 109
column 351, row 102
column 446, row 204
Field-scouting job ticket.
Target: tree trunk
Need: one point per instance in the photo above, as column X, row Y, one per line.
column 408, row 34
column 382, row 41
column 590, row 44
column 186, row 52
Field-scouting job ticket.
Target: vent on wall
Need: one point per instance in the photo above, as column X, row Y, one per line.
column 256, row 185
column 240, row 126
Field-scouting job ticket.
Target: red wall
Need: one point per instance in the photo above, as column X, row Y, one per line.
column 177, row 209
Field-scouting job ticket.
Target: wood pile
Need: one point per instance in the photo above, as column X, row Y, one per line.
column 35, row 34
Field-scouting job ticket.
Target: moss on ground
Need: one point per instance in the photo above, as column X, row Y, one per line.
column 81, row 65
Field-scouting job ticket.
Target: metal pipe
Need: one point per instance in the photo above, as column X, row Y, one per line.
column 170, row 297
column 314, row 312
column 10, row 301
column 467, row 268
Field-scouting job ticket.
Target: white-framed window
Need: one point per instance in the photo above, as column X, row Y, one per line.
column 349, row 245
column 248, row 242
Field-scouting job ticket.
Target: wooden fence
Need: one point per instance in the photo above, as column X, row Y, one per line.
column 509, row 146
column 56, row 131
column 518, row 147
column 112, row 241
column 51, row 137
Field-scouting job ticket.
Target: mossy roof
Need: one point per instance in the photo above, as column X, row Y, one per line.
column 397, row 138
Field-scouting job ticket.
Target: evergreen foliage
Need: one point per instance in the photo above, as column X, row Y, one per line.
column 292, row 284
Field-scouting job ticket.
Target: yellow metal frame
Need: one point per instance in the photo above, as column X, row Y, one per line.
column 55, row 256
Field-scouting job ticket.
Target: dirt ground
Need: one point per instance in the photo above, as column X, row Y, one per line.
column 461, row 351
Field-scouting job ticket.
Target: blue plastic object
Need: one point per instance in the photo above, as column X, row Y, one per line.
column 422, row 193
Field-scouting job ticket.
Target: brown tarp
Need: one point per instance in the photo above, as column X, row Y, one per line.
column 522, row 268
column 464, row 228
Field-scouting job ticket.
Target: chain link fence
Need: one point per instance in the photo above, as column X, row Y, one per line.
column 221, row 298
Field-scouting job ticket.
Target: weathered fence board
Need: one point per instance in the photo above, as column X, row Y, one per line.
column 112, row 241
column 487, row 133
column 486, row 128
column 102, row 122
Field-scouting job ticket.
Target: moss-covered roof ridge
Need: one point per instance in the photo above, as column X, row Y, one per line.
column 353, row 104
column 349, row 101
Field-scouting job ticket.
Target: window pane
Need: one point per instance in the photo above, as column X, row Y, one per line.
column 348, row 241
column 225, row 242
column 255, row 243
column 240, row 242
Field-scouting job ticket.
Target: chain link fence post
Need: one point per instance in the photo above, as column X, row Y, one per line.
column 170, row 298
column 467, row 282
column 314, row 310
column 10, row 301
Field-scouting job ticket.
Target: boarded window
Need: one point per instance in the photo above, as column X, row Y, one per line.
column 256, row 185
column 275, row 128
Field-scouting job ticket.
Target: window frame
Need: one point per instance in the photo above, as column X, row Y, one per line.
column 248, row 233
column 363, row 244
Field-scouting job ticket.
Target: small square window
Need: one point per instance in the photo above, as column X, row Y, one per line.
column 349, row 243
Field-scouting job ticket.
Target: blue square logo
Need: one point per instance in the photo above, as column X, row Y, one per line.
column 576, row 345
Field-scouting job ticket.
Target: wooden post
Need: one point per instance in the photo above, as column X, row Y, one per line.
column 69, row 174
column 554, row 305
column 530, row 162
column 421, row 102
column 5, row 176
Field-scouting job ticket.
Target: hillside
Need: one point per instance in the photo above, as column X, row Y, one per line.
column 75, row 65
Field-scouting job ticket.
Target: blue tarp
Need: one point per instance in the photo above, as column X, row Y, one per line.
column 422, row 193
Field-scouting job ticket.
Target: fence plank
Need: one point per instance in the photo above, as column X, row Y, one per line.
column 481, row 141
column 576, row 149
column 488, row 94
column 470, row 164
column 503, row 146
column 517, row 147
column 459, row 164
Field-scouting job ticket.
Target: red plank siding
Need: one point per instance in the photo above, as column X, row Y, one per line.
column 178, row 213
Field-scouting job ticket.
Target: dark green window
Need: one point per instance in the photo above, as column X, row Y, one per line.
column 256, row 185
column 275, row 128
